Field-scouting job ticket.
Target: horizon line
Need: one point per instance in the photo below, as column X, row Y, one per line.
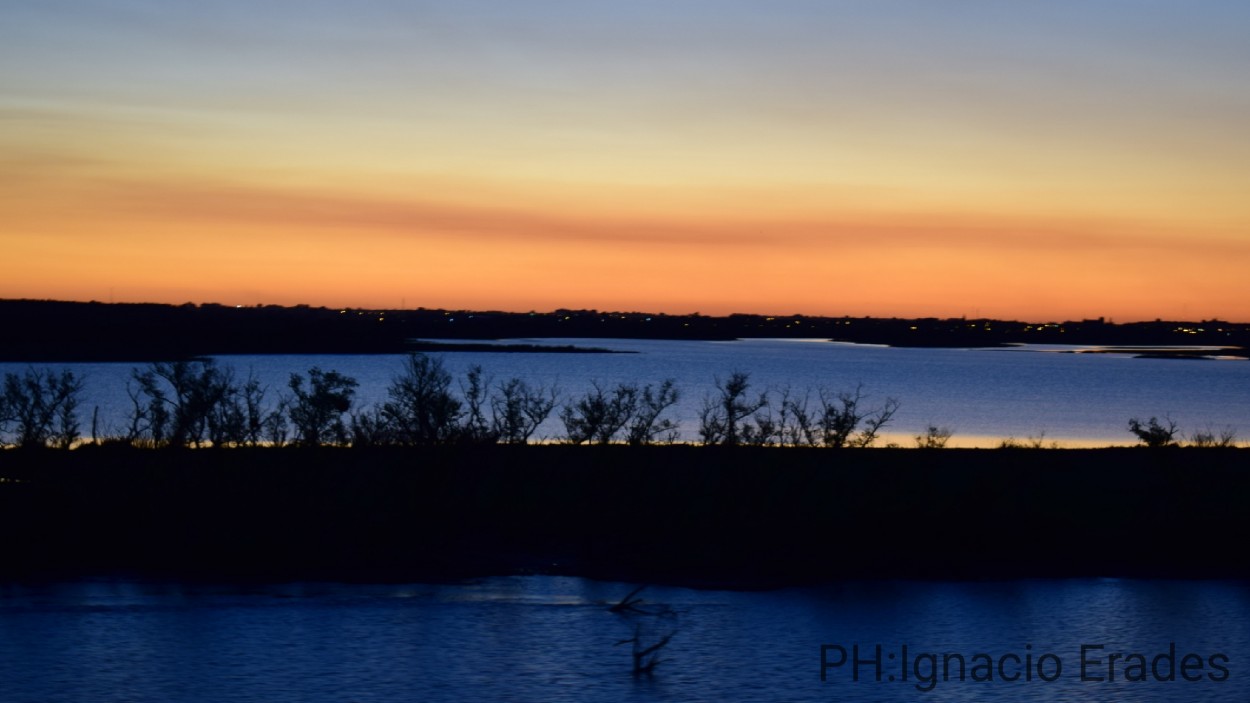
column 405, row 308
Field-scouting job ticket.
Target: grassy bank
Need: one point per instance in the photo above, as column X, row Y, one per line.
column 708, row 515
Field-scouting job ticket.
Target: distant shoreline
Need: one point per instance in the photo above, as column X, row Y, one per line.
column 725, row 517
column 54, row 331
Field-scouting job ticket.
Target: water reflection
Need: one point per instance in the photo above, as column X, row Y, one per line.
column 539, row 638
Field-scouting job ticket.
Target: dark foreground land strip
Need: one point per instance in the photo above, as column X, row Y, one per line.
column 740, row 517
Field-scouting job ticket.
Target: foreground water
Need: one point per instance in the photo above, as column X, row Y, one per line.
column 982, row 395
column 545, row 638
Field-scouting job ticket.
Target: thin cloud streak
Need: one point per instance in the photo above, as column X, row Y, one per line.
column 286, row 211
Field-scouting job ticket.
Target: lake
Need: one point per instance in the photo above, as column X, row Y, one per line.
column 552, row 638
column 546, row 639
column 982, row 395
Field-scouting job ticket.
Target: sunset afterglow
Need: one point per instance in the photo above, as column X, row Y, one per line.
column 904, row 157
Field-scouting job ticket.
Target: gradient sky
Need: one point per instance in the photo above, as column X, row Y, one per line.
column 1030, row 160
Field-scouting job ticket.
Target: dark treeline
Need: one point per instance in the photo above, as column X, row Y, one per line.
column 197, row 403
column 63, row 331
column 200, row 404
column 713, row 516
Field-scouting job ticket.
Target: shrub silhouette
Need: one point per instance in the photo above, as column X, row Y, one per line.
column 421, row 409
column 476, row 428
column 625, row 412
column 241, row 418
column 518, row 410
column 647, row 426
column 317, row 413
column 1154, row 433
column 184, row 402
column 724, row 419
column 842, row 416
column 933, row 437
column 42, row 408
column 599, row 416
column 1226, row 437
column 1031, row 442
column 196, row 403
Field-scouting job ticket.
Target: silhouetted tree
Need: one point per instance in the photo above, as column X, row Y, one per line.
column 142, row 428
column 183, row 399
column 845, row 423
column 599, row 415
column 647, row 426
column 275, row 427
column 722, row 419
column 1154, row 433
column 796, row 422
column 317, row 412
column 241, row 417
column 370, row 428
column 518, row 410
column 42, row 408
column 476, row 428
column 421, row 409
column 765, row 430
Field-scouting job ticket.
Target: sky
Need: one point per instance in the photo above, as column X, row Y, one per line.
column 1026, row 160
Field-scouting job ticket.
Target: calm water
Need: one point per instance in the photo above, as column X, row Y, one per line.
column 982, row 395
column 543, row 639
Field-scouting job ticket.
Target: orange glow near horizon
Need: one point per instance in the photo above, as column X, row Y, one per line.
column 1044, row 163
column 246, row 246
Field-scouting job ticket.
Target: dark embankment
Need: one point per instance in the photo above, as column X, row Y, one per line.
column 740, row 517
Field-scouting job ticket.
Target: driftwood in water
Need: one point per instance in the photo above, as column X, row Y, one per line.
column 646, row 658
column 629, row 603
